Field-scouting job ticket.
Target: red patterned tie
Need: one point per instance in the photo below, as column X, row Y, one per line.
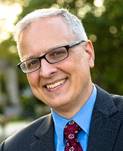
column 70, row 132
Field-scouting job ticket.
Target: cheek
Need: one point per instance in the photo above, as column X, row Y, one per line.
column 33, row 79
column 72, row 65
column 81, row 69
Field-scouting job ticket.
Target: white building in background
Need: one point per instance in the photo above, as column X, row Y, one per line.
column 9, row 76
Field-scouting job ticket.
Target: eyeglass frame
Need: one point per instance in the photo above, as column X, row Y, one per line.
column 68, row 46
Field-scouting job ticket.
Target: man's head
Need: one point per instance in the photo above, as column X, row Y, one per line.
column 56, row 56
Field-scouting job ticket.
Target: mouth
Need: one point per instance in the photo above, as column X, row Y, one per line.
column 55, row 85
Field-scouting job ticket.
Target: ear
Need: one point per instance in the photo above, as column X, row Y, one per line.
column 90, row 52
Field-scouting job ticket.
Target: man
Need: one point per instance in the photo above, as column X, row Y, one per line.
column 57, row 56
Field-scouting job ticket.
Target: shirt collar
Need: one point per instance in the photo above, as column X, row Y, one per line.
column 82, row 118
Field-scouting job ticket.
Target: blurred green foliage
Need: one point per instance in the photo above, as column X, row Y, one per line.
column 104, row 26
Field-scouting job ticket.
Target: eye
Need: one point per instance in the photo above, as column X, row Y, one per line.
column 32, row 63
column 57, row 53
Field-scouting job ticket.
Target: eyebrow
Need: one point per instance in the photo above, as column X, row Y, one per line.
column 48, row 50
column 28, row 58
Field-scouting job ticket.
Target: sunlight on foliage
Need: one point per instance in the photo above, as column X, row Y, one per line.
column 98, row 3
column 8, row 16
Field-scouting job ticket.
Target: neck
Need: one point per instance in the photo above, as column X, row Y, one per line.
column 69, row 110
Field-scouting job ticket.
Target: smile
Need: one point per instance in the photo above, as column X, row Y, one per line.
column 55, row 84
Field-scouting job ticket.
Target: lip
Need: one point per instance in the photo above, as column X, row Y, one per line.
column 55, row 85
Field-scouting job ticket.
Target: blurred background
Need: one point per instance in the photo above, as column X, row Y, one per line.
column 103, row 21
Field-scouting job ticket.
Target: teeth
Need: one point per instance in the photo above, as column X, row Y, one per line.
column 54, row 85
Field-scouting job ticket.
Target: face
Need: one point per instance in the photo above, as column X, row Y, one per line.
column 66, row 85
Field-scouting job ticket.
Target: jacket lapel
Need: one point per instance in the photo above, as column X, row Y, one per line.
column 104, row 126
column 44, row 140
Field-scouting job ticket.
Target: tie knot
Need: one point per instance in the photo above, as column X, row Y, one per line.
column 71, row 130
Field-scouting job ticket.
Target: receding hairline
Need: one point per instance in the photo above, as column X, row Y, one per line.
column 40, row 19
column 35, row 15
column 43, row 13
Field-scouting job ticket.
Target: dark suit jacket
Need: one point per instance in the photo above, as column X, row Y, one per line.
column 106, row 129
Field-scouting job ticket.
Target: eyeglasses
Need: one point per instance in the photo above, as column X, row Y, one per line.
column 53, row 56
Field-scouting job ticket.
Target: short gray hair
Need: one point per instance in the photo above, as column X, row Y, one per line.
column 73, row 22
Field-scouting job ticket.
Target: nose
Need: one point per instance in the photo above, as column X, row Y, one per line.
column 47, row 70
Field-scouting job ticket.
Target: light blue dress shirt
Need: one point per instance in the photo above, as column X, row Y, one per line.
column 82, row 118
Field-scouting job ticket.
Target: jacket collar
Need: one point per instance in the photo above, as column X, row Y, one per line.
column 104, row 103
column 104, row 127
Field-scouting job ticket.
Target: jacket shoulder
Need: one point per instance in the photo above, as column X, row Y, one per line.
column 118, row 101
column 23, row 138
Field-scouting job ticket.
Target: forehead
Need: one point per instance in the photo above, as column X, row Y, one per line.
column 44, row 34
column 46, row 29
